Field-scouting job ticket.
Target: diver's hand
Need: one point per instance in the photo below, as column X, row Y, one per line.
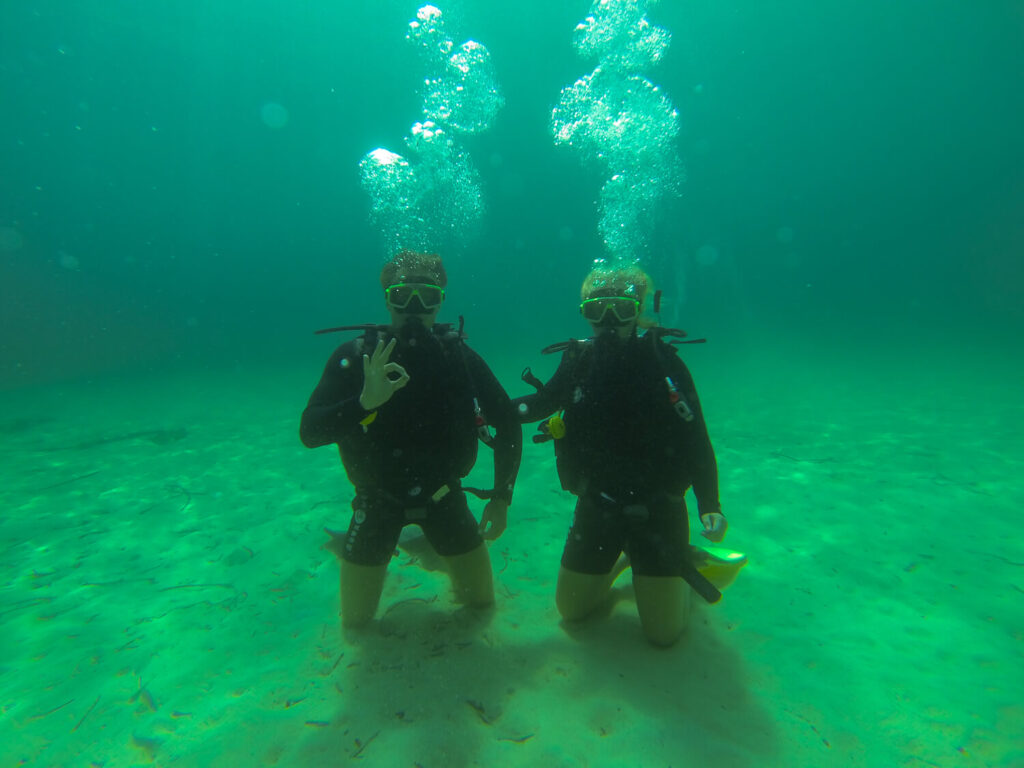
column 715, row 526
column 494, row 519
column 378, row 386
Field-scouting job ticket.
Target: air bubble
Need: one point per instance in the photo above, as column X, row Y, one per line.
column 430, row 196
column 616, row 118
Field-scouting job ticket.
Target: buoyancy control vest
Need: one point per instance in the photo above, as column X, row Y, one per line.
column 625, row 422
column 458, row 418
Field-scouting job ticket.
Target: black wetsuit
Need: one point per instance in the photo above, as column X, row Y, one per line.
column 406, row 463
column 635, row 441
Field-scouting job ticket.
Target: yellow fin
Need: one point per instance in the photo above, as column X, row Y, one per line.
column 718, row 565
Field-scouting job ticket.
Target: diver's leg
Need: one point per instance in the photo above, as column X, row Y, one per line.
column 361, row 587
column 658, row 546
column 580, row 594
column 591, row 559
column 453, row 532
column 472, row 580
column 663, row 603
column 365, row 553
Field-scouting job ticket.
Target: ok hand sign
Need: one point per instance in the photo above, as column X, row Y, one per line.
column 378, row 386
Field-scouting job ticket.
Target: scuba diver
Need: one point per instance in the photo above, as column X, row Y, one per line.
column 406, row 403
column 630, row 439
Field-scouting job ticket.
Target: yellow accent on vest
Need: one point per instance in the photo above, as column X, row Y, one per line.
column 368, row 419
column 556, row 426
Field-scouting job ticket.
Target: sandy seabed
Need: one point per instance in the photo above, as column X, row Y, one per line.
column 165, row 599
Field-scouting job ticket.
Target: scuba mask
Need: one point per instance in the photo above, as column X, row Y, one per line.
column 414, row 298
column 610, row 311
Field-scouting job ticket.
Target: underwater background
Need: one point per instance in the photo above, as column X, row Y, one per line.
column 180, row 207
column 856, row 168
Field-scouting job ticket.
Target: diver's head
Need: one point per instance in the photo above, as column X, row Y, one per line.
column 413, row 286
column 612, row 299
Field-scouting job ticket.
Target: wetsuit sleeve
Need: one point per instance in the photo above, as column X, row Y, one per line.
column 553, row 396
column 699, row 451
column 333, row 409
column 501, row 415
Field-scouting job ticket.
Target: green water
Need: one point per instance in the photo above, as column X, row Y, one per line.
column 180, row 207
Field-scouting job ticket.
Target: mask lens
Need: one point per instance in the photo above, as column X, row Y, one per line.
column 623, row 309
column 430, row 296
column 399, row 296
column 593, row 311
